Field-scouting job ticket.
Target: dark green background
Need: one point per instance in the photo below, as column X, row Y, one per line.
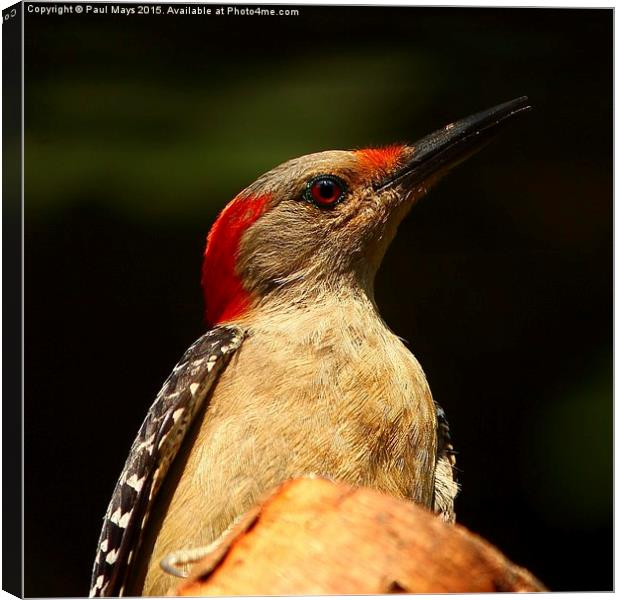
column 139, row 129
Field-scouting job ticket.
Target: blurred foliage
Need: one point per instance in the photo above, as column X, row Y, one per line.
column 571, row 458
column 203, row 137
column 139, row 129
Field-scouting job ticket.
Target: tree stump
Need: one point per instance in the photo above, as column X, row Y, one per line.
column 314, row 536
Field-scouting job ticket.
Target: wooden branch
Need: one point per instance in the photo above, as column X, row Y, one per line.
column 314, row 536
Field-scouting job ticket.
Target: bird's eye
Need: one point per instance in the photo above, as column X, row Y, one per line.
column 325, row 190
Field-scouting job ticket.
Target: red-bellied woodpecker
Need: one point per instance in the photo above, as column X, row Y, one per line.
column 298, row 373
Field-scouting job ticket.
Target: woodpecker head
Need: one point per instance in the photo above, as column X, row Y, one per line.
column 324, row 221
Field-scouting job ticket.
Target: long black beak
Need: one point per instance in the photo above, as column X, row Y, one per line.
column 444, row 149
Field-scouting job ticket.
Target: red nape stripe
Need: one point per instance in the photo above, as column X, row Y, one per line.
column 225, row 296
column 380, row 159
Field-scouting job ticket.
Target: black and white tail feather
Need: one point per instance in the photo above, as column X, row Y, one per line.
column 446, row 483
column 152, row 452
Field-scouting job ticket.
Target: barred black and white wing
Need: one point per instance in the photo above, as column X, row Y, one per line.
column 446, row 485
column 152, row 452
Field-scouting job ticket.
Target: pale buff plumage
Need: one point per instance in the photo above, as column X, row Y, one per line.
column 326, row 390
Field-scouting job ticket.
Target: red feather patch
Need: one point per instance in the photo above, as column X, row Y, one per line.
column 225, row 296
column 381, row 160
